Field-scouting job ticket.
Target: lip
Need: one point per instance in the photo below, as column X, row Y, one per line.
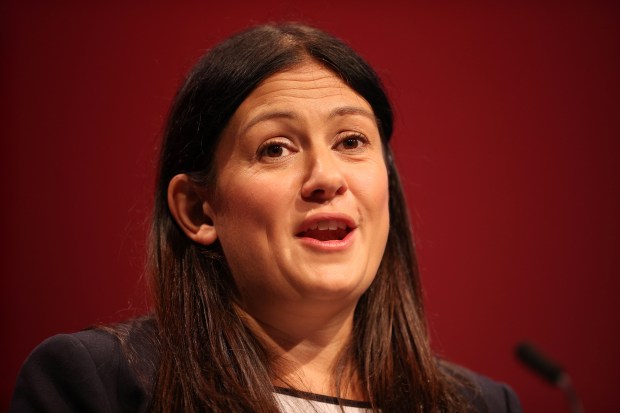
column 327, row 245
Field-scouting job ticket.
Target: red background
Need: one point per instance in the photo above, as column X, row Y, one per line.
column 506, row 135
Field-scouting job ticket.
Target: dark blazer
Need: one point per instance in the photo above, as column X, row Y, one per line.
column 88, row 372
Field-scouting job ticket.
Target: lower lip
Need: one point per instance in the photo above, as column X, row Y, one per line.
column 331, row 245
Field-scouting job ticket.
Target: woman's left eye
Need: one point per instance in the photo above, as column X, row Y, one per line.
column 352, row 142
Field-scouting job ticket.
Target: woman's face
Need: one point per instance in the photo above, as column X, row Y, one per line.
column 301, row 199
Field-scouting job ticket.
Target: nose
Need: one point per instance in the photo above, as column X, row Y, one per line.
column 324, row 178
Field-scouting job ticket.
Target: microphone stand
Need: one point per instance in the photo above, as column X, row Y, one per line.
column 574, row 402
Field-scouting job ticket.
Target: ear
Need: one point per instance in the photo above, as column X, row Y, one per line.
column 190, row 210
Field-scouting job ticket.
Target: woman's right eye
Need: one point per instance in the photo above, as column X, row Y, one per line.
column 274, row 150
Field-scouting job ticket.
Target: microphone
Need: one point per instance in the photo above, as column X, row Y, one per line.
column 543, row 366
column 550, row 371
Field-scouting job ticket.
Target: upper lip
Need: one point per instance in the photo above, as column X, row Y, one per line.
column 315, row 220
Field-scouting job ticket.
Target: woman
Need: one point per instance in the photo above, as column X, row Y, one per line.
column 282, row 264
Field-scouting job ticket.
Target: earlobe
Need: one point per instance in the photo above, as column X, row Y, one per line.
column 191, row 211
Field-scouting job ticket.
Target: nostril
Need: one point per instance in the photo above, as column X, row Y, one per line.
column 322, row 194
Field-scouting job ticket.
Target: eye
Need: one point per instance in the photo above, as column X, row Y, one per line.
column 273, row 150
column 352, row 142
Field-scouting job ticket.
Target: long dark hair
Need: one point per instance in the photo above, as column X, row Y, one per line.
column 208, row 360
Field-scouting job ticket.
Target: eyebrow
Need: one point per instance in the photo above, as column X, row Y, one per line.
column 268, row 116
column 352, row 110
column 283, row 114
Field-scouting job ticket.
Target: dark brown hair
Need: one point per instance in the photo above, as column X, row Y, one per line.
column 208, row 360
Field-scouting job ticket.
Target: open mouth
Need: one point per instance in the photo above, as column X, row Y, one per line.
column 326, row 231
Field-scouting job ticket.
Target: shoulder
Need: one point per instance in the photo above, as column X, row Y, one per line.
column 84, row 371
column 498, row 397
column 483, row 393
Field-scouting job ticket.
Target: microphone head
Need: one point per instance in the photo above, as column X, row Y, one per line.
column 529, row 355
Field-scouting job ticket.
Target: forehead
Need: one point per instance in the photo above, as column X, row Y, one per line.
column 304, row 84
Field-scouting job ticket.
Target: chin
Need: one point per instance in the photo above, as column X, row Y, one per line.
column 337, row 287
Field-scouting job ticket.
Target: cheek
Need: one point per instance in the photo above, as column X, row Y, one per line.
column 250, row 216
column 247, row 207
column 377, row 200
column 373, row 187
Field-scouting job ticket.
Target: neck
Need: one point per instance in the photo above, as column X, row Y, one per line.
column 306, row 345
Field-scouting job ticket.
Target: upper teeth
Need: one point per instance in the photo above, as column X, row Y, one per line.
column 328, row 225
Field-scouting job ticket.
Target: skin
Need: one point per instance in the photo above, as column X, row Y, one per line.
column 302, row 151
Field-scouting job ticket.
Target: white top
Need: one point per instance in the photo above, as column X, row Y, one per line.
column 293, row 401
